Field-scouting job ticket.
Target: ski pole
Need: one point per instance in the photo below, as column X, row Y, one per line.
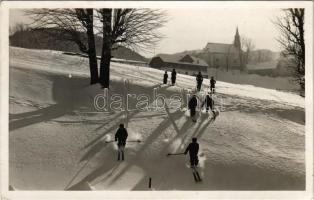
column 110, row 141
column 150, row 183
column 135, row 141
column 171, row 154
column 126, row 141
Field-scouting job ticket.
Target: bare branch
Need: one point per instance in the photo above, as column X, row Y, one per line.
column 291, row 29
column 137, row 28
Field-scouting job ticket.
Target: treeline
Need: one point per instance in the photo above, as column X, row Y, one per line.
column 44, row 39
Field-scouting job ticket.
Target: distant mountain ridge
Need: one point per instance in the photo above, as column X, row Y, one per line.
column 41, row 39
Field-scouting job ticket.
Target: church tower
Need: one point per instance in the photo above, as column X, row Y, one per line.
column 237, row 41
column 237, row 45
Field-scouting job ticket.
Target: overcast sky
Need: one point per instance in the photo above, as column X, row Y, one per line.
column 189, row 29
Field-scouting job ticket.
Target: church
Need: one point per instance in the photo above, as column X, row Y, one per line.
column 225, row 56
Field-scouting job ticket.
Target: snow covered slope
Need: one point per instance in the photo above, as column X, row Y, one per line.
column 57, row 137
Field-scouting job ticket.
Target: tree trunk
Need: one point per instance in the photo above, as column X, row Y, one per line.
column 106, row 48
column 86, row 18
column 105, row 69
column 93, row 66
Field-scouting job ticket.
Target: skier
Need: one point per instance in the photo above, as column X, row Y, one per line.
column 193, row 151
column 212, row 84
column 192, row 107
column 121, row 136
column 199, row 80
column 209, row 103
column 165, row 77
column 173, row 76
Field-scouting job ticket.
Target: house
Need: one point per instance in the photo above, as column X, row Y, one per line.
column 225, row 56
column 184, row 64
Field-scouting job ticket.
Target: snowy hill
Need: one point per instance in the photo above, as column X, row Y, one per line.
column 58, row 138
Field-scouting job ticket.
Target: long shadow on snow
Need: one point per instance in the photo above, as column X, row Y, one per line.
column 97, row 145
column 69, row 95
column 162, row 126
column 169, row 181
column 182, row 132
column 115, row 125
column 104, row 167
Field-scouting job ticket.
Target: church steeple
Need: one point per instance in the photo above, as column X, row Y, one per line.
column 237, row 41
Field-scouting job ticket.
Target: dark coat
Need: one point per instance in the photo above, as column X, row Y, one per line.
column 173, row 75
column 121, row 135
column 192, row 149
column 193, row 103
column 165, row 78
column 199, row 78
column 209, row 102
column 212, row 82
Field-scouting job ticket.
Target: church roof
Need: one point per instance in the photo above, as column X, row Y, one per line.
column 218, row 47
column 177, row 59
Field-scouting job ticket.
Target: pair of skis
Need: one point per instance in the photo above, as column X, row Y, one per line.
column 122, row 151
column 196, row 175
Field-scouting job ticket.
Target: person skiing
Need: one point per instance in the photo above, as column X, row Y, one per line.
column 193, row 151
column 209, row 103
column 212, row 84
column 199, row 81
column 192, row 107
column 173, row 76
column 121, row 136
column 165, row 77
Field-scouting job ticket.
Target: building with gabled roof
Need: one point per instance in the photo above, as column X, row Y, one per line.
column 225, row 56
column 184, row 64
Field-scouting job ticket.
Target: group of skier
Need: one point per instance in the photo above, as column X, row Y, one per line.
column 199, row 80
column 193, row 148
column 208, row 103
column 122, row 135
column 193, row 103
column 173, row 77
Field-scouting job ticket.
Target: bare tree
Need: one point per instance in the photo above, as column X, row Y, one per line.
column 291, row 28
column 248, row 46
column 132, row 28
column 75, row 25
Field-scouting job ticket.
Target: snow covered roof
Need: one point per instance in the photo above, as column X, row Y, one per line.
column 179, row 59
column 218, row 47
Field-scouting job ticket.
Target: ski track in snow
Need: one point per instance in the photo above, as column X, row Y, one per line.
column 61, row 138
